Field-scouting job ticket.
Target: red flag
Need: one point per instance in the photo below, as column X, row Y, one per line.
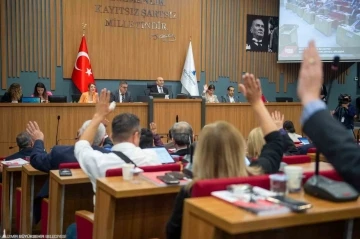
column 82, row 74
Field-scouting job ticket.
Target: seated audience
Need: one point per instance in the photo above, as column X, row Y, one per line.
column 329, row 136
column 220, row 152
column 229, row 97
column 13, row 94
column 121, row 95
column 107, row 144
column 156, row 137
column 208, row 94
column 40, row 91
column 45, row 162
column 290, row 129
column 159, row 87
column 182, row 136
column 146, row 139
column 126, row 137
column 91, row 96
column 25, row 144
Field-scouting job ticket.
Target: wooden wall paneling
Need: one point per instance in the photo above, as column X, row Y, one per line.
column 35, row 30
column 228, row 38
column 48, row 49
column 239, row 44
column 3, row 40
column 52, row 44
column 58, row 33
column 242, row 57
column 26, row 35
column 43, row 38
column 9, row 39
column 231, row 41
column 207, row 41
column 39, row 39
column 212, row 35
column 222, row 44
column 22, row 33
column 13, row 43
column 216, row 40
column 31, row 32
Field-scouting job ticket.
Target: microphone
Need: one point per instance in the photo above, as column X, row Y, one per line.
column 11, row 147
column 177, row 119
column 57, row 129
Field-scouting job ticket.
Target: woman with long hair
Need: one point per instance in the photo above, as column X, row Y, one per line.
column 220, row 152
column 209, row 95
column 91, row 96
column 290, row 129
column 40, row 91
column 13, row 94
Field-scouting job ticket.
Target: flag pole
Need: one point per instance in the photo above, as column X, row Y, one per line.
column 83, row 28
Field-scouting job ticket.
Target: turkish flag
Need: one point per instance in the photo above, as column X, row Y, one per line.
column 82, row 74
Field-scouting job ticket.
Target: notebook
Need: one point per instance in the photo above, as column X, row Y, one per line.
column 15, row 163
column 304, row 141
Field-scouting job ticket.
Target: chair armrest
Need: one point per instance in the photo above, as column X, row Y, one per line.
column 86, row 215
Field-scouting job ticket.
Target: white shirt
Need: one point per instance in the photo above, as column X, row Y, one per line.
column 159, row 90
column 95, row 163
column 231, row 99
column 120, row 97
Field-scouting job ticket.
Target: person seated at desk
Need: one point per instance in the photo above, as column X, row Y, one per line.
column 290, row 129
column 208, row 94
column 91, row 96
column 25, row 144
column 220, row 152
column 122, row 95
column 159, row 87
column 45, row 162
column 126, row 136
column 182, row 136
column 229, row 97
column 149, row 137
column 13, row 94
column 40, row 91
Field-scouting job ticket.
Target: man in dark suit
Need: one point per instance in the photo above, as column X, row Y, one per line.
column 25, row 144
column 257, row 30
column 329, row 136
column 159, row 87
column 45, row 162
column 229, row 97
column 122, row 95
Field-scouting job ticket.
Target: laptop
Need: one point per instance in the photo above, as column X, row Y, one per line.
column 157, row 95
column 304, row 141
column 30, row 99
column 163, row 155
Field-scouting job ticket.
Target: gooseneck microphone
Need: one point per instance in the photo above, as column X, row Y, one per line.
column 177, row 119
column 57, row 129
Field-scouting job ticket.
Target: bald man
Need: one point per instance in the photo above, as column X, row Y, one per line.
column 159, row 87
column 257, row 30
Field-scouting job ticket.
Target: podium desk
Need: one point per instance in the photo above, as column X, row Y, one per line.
column 67, row 195
column 127, row 210
column 11, row 179
column 167, row 111
column 72, row 116
column 241, row 115
column 31, row 182
column 209, row 217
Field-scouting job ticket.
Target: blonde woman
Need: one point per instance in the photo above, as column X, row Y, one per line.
column 91, row 96
column 255, row 143
column 220, row 152
column 13, row 94
column 208, row 94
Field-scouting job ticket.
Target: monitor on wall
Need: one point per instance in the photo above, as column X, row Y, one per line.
column 334, row 28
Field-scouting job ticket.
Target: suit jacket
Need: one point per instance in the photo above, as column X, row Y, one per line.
column 226, row 99
column 155, row 89
column 253, row 47
column 85, row 98
column 115, row 96
column 332, row 140
column 21, row 154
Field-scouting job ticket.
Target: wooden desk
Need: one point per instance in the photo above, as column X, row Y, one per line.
column 127, row 210
column 72, row 116
column 242, row 116
column 31, row 182
column 313, row 157
column 11, row 179
column 67, row 195
column 209, row 217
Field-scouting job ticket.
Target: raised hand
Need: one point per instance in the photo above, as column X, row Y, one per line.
column 102, row 107
column 34, row 130
column 153, row 128
column 251, row 88
column 310, row 75
column 278, row 119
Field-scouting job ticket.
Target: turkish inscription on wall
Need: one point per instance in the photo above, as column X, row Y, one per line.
column 147, row 18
